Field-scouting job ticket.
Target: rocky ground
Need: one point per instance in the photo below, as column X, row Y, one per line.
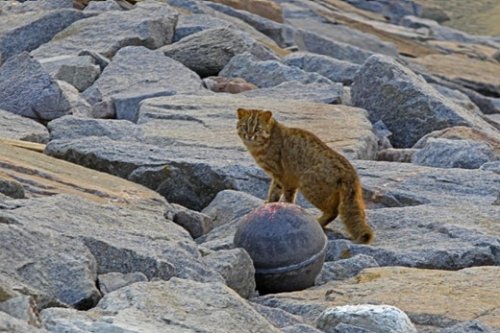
column 122, row 179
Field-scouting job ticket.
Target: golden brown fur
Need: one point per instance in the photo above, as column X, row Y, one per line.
column 298, row 160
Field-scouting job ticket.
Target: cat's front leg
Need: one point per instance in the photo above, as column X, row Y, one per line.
column 275, row 191
column 289, row 194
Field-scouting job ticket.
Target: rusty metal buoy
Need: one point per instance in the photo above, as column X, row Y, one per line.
column 286, row 244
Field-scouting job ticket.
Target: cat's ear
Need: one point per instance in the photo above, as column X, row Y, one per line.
column 266, row 116
column 242, row 113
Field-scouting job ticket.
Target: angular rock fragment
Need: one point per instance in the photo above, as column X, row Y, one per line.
column 17, row 127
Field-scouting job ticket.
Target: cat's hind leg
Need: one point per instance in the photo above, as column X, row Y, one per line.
column 275, row 191
column 330, row 209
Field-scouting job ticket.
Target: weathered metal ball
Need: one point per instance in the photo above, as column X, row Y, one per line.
column 286, row 244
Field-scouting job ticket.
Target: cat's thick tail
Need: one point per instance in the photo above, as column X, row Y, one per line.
column 352, row 212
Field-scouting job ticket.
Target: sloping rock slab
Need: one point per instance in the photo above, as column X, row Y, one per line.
column 28, row 90
column 191, row 24
column 27, row 31
column 313, row 92
column 122, row 84
column 408, row 105
column 150, row 24
column 16, row 127
column 174, row 306
column 208, row 51
column 429, row 297
column 481, row 76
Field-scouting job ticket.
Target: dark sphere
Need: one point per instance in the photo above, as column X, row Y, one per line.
column 286, row 244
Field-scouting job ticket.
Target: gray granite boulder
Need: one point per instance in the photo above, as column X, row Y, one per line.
column 269, row 73
column 191, row 24
column 334, row 69
column 236, row 267
column 28, row 90
column 408, row 105
column 17, row 127
column 317, row 43
column 121, row 86
column 79, row 71
column 344, row 268
column 282, row 34
column 174, row 306
column 102, row 6
column 471, row 326
column 344, row 34
column 376, row 318
column 26, row 31
column 70, row 127
column 300, row 328
column 328, row 93
column 445, row 153
column 208, row 51
column 60, row 269
column 150, row 24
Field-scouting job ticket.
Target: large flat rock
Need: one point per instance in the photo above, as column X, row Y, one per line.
column 174, row 306
column 430, row 297
column 150, row 24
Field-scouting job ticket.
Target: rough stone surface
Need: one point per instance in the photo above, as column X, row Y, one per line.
column 121, row 85
column 28, row 90
column 377, row 318
column 266, row 8
column 150, row 24
column 62, row 270
column 21, row 307
column 331, row 68
column 344, row 268
column 236, row 267
column 445, row 153
column 21, row 32
column 102, row 6
column 316, row 43
column 403, row 155
column 300, row 328
column 208, row 51
column 277, row 317
column 269, row 73
column 11, row 188
column 70, row 127
column 81, row 77
column 328, row 93
column 402, row 100
column 191, row 24
column 174, row 306
column 16, row 127
column 344, row 34
column 112, row 281
column 472, row 326
column 197, row 224
column 464, row 71
column 13, row 325
column 429, row 297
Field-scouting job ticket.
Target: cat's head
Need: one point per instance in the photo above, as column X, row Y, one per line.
column 254, row 126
